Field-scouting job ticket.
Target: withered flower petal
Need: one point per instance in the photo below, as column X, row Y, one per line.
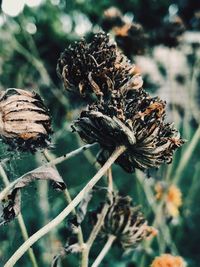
column 125, row 222
column 96, row 67
column 25, row 123
column 136, row 121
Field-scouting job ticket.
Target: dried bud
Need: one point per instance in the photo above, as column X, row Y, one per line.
column 24, row 120
column 130, row 37
column 96, row 67
column 135, row 121
column 125, row 222
column 167, row 260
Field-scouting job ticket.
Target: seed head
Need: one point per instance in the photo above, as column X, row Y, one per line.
column 135, row 121
column 96, row 67
column 125, row 222
column 24, row 120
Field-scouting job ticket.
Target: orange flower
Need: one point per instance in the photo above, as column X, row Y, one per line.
column 167, row 260
column 172, row 196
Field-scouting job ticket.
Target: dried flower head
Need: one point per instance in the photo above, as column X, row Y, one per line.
column 136, row 121
column 125, row 222
column 171, row 32
column 24, row 120
column 130, row 37
column 167, row 260
column 172, row 196
column 96, row 67
column 111, row 17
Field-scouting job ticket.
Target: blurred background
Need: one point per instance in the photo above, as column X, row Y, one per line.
column 162, row 38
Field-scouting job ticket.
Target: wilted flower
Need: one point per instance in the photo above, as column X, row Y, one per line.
column 130, row 37
column 172, row 196
column 96, row 67
column 111, row 17
column 135, row 121
column 171, row 32
column 125, row 222
column 24, row 120
column 167, row 260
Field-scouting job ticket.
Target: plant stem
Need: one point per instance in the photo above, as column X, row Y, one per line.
column 53, row 162
column 187, row 155
column 104, row 251
column 57, row 220
column 20, row 221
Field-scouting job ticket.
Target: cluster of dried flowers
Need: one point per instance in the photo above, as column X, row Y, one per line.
column 124, row 113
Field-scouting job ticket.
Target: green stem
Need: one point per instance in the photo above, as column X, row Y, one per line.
column 20, row 221
column 104, row 251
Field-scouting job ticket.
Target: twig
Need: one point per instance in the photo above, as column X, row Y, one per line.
column 104, row 251
column 53, row 162
column 61, row 216
column 20, row 220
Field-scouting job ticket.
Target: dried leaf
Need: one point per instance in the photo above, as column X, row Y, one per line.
column 82, row 208
column 11, row 204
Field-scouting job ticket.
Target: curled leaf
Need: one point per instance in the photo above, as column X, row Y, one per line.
column 10, row 204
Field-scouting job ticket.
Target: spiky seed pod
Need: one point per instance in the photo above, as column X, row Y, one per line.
column 25, row 123
column 136, row 121
column 168, row 260
column 130, row 37
column 125, row 222
column 112, row 17
column 96, row 67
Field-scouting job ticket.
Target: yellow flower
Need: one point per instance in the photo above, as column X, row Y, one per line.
column 173, row 200
column 167, row 260
column 172, row 196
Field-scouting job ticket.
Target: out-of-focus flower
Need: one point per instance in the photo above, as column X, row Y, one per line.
column 171, row 32
column 25, row 123
column 125, row 222
column 172, row 197
column 167, row 260
column 112, row 17
column 135, row 121
column 97, row 67
column 131, row 38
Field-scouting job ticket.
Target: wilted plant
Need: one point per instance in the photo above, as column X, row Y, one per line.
column 127, row 123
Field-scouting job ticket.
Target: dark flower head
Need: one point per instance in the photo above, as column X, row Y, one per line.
column 112, row 17
column 125, row 222
column 136, row 121
column 130, row 37
column 171, row 32
column 24, row 120
column 96, row 67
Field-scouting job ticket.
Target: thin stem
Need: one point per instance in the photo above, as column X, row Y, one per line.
column 104, row 251
column 57, row 220
column 187, row 155
column 69, row 200
column 53, row 162
column 20, row 221
column 98, row 225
